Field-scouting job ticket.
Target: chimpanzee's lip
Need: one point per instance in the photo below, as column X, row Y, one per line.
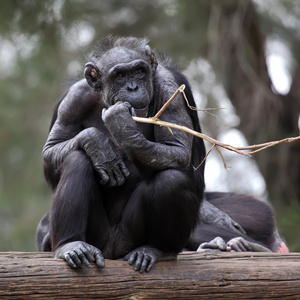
column 140, row 112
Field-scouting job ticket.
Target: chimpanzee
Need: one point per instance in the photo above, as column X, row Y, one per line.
column 259, row 231
column 124, row 189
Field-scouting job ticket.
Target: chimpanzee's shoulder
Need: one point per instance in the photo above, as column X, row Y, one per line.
column 79, row 101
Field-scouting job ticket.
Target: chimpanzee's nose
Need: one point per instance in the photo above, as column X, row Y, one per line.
column 132, row 86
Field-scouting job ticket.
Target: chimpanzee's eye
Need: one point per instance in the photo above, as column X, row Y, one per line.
column 140, row 71
column 120, row 75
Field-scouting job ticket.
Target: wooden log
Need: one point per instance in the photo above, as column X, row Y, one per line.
column 193, row 276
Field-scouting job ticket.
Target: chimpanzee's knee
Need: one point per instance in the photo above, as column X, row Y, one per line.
column 172, row 207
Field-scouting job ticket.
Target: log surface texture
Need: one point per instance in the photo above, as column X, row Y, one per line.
column 193, row 276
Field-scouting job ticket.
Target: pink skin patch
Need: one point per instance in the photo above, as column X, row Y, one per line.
column 282, row 248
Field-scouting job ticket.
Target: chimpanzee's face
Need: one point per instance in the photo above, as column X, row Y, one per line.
column 125, row 75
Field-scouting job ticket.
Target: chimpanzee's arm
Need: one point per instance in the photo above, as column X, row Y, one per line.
column 170, row 149
column 68, row 134
column 210, row 214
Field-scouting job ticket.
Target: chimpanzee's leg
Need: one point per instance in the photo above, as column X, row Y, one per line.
column 171, row 206
column 74, row 200
column 161, row 215
column 43, row 234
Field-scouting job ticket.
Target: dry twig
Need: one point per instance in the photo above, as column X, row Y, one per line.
column 215, row 143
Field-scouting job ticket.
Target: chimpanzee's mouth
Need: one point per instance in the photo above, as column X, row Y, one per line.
column 140, row 112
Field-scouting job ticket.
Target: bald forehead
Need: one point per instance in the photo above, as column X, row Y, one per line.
column 116, row 56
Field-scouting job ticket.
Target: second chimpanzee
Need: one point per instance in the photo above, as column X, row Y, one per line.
column 258, row 231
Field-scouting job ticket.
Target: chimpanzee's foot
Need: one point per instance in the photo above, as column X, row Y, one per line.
column 145, row 257
column 239, row 244
column 78, row 253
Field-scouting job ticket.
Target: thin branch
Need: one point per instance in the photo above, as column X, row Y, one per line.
column 190, row 131
column 179, row 90
column 260, row 147
column 240, row 150
column 204, row 159
column 207, row 110
column 224, row 162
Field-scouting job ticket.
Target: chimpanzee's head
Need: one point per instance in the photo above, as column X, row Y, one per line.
column 123, row 70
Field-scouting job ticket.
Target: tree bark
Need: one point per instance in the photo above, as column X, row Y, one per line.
column 193, row 276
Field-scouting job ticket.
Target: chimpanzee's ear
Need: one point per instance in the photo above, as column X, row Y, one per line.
column 153, row 59
column 92, row 75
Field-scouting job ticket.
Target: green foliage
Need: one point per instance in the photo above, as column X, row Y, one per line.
column 42, row 44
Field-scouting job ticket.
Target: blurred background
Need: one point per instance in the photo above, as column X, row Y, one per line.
column 240, row 55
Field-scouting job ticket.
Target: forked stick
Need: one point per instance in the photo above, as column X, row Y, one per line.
column 215, row 143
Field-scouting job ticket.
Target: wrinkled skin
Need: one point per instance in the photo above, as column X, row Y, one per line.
column 78, row 254
column 143, row 258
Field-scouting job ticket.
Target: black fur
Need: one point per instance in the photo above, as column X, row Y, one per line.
column 95, row 201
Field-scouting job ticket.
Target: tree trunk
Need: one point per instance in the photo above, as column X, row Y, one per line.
column 237, row 50
column 192, row 276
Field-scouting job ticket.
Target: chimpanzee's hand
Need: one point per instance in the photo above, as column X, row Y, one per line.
column 105, row 158
column 217, row 244
column 78, row 253
column 238, row 244
column 145, row 257
column 118, row 120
